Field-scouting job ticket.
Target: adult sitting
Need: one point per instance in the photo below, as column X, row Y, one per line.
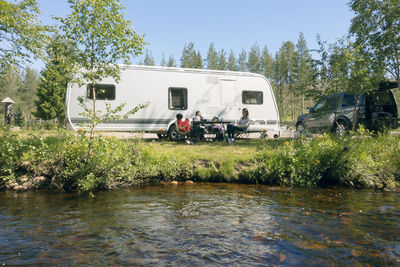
column 198, row 130
column 183, row 125
column 242, row 126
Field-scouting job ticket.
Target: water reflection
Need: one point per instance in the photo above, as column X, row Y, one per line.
column 202, row 224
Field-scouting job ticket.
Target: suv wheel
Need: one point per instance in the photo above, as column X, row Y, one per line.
column 340, row 128
column 300, row 127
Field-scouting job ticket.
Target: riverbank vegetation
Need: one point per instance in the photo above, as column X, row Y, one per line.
column 59, row 162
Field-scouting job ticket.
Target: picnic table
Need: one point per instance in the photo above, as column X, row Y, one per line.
column 208, row 126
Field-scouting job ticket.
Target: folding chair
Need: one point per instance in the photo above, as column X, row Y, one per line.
column 178, row 133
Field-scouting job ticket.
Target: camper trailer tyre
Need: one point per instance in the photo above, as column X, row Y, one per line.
column 173, row 133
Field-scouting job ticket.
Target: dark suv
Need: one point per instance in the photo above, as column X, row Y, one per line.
column 336, row 112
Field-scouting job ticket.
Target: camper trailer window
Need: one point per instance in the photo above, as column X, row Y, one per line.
column 103, row 91
column 252, row 97
column 177, row 98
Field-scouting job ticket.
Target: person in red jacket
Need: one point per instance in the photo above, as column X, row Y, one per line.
column 183, row 125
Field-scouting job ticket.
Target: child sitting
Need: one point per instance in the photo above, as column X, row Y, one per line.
column 218, row 129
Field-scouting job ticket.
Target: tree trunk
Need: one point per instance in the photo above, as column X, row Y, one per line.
column 293, row 105
column 281, row 101
column 93, row 126
column 94, row 121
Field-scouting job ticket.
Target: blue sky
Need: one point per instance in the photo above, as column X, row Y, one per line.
column 231, row 24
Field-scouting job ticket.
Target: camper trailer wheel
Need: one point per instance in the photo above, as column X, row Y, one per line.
column 173, row 133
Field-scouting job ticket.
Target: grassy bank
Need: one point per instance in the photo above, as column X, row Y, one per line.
column 59, row 162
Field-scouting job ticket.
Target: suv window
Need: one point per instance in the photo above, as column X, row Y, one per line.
column 348, row 101
column 382, row 98
column 325, row 104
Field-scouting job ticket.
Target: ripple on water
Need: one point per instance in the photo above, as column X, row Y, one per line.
column 202, row 224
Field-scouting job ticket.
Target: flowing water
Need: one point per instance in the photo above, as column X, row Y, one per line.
column 201, row 224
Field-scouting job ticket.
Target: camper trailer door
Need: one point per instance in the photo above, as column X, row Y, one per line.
column 228, row 110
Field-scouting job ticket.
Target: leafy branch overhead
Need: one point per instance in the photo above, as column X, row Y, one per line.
column 21, row 33
column 102, row 37
column 109, row 114
column 376, row 25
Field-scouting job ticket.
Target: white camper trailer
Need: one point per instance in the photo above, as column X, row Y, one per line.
column 174, row 90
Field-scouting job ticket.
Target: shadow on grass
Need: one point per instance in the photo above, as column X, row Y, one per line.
column 243, row 143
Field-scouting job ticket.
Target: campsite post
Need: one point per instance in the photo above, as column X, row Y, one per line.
column 7, row 111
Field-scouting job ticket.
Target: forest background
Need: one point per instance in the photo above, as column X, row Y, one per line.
column 298, row 76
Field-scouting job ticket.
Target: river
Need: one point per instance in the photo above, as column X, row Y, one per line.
column 201, row 224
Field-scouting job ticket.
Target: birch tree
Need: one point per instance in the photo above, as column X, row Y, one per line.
column 103, row 38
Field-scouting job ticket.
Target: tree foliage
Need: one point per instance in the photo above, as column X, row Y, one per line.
column 190, row 58
column 232, row 65
column 242, row 60
column 56, row 75
column 21, row 33
column 222, row 62
column 148, row 59
column 376, row 27
column 171, row 61
column 212, row 58
column 284, row 73
column 103, row 38
column 267, row 63
column 254, row 59
column 21, row 86
column 347, row 66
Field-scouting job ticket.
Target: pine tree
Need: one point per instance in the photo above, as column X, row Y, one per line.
column 163, row 62
column 10, row 82
column 187, row 56
column 212, row 58
column 285, row 75
column 190, row 58
column 171, row 61
column 305, row 69
column 232, row 66
column 56, row 75
column 222, row 63
column 197, row 61
column 148, row 59
column 242, row 60
column 254, row 60
column 28, row 91
column 267, row 63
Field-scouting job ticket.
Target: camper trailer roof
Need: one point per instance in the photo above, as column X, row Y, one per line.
column 202, row 71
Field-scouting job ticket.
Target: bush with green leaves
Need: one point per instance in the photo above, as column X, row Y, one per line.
column 359, row 160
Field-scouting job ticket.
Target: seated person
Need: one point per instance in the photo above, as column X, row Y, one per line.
column 218, row 129
column 240, row 127
column 198, row 129
column 198, row 117
column 183, row 125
